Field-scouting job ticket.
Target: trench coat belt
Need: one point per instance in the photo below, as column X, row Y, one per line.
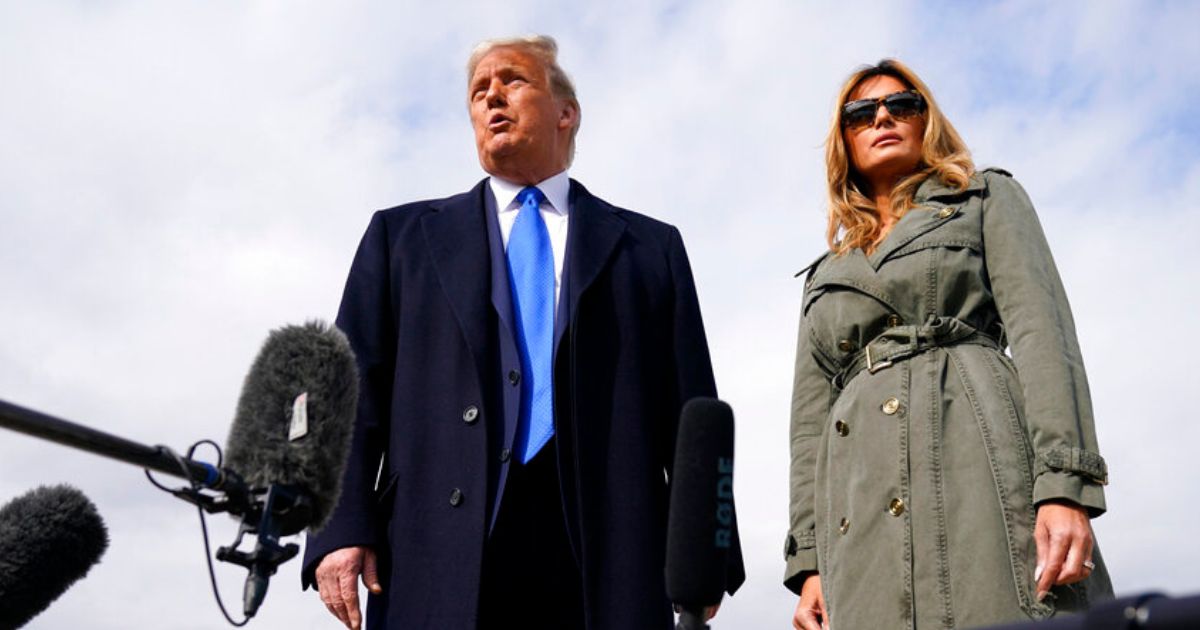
column 899, row 343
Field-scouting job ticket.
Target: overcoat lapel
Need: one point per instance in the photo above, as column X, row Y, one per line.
column 457, row 235
column 594, row 233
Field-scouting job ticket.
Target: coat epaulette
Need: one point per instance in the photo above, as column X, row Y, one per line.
column 997, row 169
column 812, row 267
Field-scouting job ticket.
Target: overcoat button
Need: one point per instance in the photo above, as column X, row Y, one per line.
column 505, row 454
column 896, row 507
column 456, row 497
column 846, row 345
column 842, row 428
column 844, row 526
column 894, row 320
column 470, row 414
column 945, row 212
column 514, row 377
column 890, row 406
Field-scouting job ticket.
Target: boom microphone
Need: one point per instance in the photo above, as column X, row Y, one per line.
column 49, row 538
column 700, row 529
column 287, row 448
column 291, row 437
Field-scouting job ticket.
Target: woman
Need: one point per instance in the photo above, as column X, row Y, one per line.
column 936, row 483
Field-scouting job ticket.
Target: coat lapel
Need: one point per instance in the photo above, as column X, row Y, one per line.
column 931, row 197
column 594, row 233
column 457, row 235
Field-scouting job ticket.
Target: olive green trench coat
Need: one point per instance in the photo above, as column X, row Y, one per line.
column 919, row 448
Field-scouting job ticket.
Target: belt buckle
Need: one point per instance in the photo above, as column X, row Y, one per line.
column 875, row 366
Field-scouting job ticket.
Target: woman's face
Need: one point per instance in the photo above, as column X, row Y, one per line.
column 889, row 148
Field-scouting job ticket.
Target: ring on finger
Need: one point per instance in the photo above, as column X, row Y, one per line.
column 1091, row 566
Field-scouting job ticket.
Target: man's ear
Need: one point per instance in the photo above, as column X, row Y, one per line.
column 568, row 115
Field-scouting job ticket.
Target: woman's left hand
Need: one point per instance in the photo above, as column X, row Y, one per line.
column 1064, row 540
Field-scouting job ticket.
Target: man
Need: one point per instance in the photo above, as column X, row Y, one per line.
column 524, row 351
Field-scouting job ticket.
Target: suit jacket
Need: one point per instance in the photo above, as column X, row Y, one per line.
column 421, row 313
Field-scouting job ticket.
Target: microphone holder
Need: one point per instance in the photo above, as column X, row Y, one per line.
column 268, row 554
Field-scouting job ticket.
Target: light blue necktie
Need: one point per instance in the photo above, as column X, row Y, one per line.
column 531, row 277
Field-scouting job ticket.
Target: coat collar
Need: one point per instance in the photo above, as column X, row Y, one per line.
column 934, row 188
column 594, row 232
column 457, row 235
column 931, row 201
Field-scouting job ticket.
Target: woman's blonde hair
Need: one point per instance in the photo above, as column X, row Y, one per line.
column 854, row 221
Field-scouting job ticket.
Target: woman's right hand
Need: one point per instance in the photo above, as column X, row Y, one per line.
column 810, row 611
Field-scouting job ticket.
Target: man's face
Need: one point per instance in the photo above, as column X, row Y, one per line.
column 521, row 130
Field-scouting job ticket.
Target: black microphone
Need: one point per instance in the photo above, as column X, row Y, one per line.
column 700, row 526
column 1144, row 611
column 291, row 438
column 49, row 538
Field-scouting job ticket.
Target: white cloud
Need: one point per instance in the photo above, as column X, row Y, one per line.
column 176, row 179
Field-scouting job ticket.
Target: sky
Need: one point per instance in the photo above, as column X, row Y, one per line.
column 177, row 179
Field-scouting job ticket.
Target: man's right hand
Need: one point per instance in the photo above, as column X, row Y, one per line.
column 337, row 581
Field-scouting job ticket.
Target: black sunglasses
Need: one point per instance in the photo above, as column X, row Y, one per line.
column 901, row 106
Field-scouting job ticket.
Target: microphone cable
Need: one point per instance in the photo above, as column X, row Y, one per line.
column 193, row 490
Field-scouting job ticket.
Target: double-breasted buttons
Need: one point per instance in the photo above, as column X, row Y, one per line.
column 470, row 414
column 456, row 497
column 890, row 406
column 945, row 213
column 505, row 454
column 894, row 320
column 514, row 377
column 842, row 428
column 896, row 507
column 847, row 345
column 844, row 526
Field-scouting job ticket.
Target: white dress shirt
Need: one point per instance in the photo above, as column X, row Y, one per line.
column 555, row 212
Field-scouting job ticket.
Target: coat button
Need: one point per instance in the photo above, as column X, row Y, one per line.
column 456, row 497
column 890, row 406
column 470, row 414
column 844, row 526
column 945, row 212
column 514, row 377
column 846, row 345
column 505, row 454
column 896, row 507
column 894, row 320
column 842, row 428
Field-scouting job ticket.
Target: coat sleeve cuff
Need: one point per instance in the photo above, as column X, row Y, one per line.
column 1073, row 487
column 1074, row 460
column 800, row 551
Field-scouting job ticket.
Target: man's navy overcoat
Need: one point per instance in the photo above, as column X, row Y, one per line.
column 418, row 311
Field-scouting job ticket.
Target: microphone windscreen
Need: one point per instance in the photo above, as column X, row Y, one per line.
column 49, row 538
column 295, row 415
column 700, row 525
column 1173, row 613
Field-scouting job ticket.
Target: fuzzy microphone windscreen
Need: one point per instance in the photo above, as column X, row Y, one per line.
column 49, row 538
column 296, row 414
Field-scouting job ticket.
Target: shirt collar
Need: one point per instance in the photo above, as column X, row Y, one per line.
column 556, row 189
